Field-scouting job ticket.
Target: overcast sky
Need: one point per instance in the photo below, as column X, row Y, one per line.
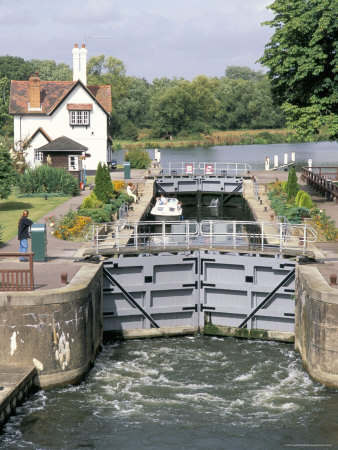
column 154, row 38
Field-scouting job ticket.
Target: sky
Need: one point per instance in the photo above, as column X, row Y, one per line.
column 154, row 38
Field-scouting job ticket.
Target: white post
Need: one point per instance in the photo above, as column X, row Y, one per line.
column 163, row 234
column 309, row 163
column 275, row 162
column 262, row 236
column 285, row 159
column 136, row 236
column 234, row 230
column 293, row 157
column 267, row 163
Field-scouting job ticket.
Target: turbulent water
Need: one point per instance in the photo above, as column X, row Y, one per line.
column 182, row 393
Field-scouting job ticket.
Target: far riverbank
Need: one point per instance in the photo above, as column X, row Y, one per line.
column 217, row 138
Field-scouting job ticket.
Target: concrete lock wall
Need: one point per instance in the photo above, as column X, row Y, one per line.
column 316, row 325
column 59, row 331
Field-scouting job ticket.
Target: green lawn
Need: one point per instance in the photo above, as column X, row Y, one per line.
column 11, row 211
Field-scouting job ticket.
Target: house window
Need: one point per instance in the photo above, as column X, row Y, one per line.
column 78, row 118
column 73, row 162
column 38, row 156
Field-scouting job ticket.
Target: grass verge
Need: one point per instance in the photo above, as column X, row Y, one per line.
column 11, row 210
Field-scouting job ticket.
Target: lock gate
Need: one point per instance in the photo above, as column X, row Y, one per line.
column 251, row 290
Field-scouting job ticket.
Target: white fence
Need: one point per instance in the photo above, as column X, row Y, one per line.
column 208, row 233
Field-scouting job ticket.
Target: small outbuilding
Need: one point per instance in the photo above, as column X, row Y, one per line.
column 63, row 153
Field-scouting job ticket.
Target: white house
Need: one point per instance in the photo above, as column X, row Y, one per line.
column 47, row 110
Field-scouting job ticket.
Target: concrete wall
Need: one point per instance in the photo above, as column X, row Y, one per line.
column 59, row 331
column 316, row 325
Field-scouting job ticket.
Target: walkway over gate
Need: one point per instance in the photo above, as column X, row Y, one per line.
column 138, row 237
column 206, row 168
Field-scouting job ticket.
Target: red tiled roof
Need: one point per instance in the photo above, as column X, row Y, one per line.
column 102, row 95
column 79, row 106
column 52, row 94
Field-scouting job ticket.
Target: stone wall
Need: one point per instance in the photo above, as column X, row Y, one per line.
column 58, row 331
column 316, row 325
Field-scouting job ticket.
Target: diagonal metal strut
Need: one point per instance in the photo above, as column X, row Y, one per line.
column 267, row 298
column 110, row 277
column 237, row 188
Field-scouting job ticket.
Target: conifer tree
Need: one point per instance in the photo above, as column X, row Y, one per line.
column 103, row 185
column 292, row 186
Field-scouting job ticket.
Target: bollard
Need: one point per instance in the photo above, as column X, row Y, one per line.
column 267, row 163
column 64, row 277
column 309, row 163
column 275, row 161
column 285, row 159
column 293, row 157
column 333, row 279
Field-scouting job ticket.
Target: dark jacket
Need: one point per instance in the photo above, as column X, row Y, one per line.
column 23, row 230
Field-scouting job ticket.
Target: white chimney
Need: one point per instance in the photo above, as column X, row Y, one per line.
column 76, row 63
column 83, row 65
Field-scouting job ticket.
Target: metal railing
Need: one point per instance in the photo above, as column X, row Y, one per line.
column 206, row 168
column 14, row 279
column 208, row 233
column 123, row 214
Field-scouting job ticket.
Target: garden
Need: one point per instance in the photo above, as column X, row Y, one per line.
column 43, row 188
column 289, row 201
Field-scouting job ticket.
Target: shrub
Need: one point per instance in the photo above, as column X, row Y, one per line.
column 103, row 186
column 91, row 202
column 44, row 178
column 298, row 196
column 138, row 158
column 305, row 201
column 97, row 215
column 284, row 186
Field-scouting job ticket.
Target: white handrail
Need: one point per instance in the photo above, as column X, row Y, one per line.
column 211, row 233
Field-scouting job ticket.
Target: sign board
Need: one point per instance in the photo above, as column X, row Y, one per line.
column 189, row 168
column 209, row 169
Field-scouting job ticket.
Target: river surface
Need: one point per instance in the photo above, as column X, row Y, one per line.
column 321, row 153
column 183, row 393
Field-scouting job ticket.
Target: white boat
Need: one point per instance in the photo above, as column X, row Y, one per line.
column 167, row 209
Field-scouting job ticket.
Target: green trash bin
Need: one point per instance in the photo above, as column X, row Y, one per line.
column 126, row 167
column 39, row 241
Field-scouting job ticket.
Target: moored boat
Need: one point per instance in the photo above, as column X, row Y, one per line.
column 167, row 209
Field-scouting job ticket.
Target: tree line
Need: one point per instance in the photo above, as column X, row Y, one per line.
column 241, row 99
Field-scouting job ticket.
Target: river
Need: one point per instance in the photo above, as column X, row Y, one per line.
column 182, row 393
column 321, row 153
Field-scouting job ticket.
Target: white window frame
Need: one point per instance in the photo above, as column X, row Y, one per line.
column 38, row 156
column 73, row 163
column 79, row 118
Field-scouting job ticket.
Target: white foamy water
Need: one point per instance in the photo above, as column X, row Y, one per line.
column 191, row 393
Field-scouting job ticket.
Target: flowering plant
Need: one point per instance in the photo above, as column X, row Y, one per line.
column 50, row 219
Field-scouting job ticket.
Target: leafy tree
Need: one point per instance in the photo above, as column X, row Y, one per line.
column 242, row 73
column 7, row 174
column 292, row 186
column 302, row 59
column 50, row 71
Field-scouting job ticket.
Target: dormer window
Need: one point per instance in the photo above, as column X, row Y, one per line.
column 79, row 114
